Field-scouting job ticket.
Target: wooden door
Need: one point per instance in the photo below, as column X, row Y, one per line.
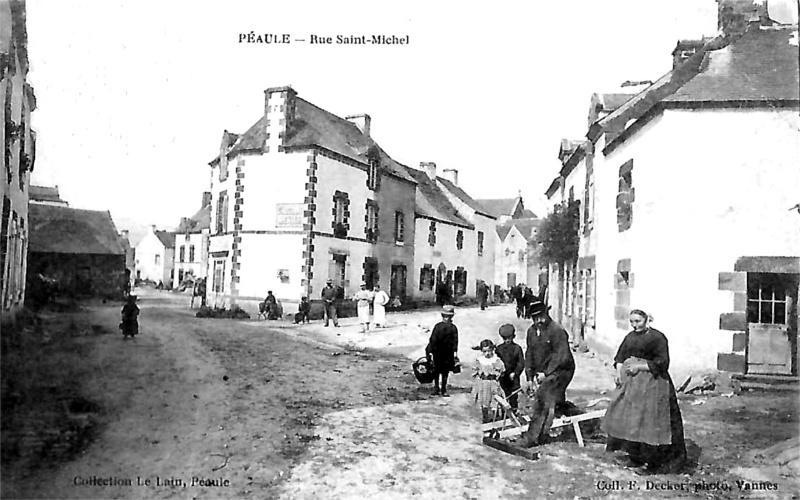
column 771, row 322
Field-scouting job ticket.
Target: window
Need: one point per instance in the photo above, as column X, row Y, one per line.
column 371, row 219
column 625, row 197
column 182, row 255
column 219, row 276
column 341, row 214
column 480, row 243
column 372, row 174
column 432, row 234
column 223, row 168
column 191, row 253
column 427, row 277
column 180, row 276
column 767, row 300
column 460, row 239
column 222, row 212
column 399, row 227
column 588, row 203
column 460, row 279
column 157, row 260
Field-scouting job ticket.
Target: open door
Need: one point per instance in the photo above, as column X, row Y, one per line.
column 771, row 322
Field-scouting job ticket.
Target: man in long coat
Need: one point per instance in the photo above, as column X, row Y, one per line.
column 550, row 366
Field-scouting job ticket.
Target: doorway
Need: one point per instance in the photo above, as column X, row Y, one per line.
column 772, row 323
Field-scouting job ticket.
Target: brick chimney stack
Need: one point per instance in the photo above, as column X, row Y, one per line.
column 451, row 174
column 429, row 168
column 279, row 110
column 362, row 121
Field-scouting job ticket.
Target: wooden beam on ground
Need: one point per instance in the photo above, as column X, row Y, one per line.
column 507, row 447
column 559, row 422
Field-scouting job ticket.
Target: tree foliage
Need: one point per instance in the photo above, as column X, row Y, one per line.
column 558, row 235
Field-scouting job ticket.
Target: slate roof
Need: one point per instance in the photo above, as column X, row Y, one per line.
column 432, row 202
column 525, row 226
column 467, row 199
column 313, row 126
column 167, row 238
column 44, row 194
column 761, row 66
column 758, row 68
column 498, row 207
column 59, row 229
column 197, row 222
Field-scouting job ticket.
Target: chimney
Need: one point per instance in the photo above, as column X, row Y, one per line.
column 279, row 110
column 429, row 168
column 206, row 199
column 362, row 121
column 153, row 227
column 124, row 233
column 451, row 175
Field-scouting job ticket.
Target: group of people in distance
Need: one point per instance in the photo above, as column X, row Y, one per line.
column 331, row 295
column 643, row 417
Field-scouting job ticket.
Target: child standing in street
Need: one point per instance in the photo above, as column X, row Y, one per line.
column 514, row 361
column 488, row 370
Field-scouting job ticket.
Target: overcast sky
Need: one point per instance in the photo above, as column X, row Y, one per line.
column 133, row 95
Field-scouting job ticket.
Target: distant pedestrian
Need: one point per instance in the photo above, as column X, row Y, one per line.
column 303, row 311
column 442, row 349
column 483, row 294
column 330, row 299
column 487, row 372
column 379, row 307
column 363, row 297
column 514, row 360
column 130, row 318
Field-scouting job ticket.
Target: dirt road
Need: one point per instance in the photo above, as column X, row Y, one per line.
column 202, row 408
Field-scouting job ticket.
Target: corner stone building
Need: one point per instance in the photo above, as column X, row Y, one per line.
column 304, row 196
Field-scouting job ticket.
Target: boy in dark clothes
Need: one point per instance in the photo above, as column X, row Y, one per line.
column 303, row 311
column 442, row 349
column 514, row 360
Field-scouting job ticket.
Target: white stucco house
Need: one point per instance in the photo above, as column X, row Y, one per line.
column 155, row 256
column 304, row 196
column 691, row 190
column 191, row 244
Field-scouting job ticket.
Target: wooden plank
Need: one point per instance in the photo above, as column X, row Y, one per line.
column 577, row 427
column 503, row 424
column 507, row 447
column 559, row 422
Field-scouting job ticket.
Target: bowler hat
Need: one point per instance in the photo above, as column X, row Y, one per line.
column 448, row 310
column 507, row 331
column 538, row 307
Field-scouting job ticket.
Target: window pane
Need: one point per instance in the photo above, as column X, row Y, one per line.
column 752, row 311
column 766, row 312
column 780, row 313
column 766, row 292
column 780, row 292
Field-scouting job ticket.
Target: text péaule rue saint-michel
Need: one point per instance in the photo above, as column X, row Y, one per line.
column 285, row 38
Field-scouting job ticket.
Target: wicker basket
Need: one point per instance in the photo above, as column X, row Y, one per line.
column 423, row 370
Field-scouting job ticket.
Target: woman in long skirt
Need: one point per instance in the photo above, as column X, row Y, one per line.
column 644, row 418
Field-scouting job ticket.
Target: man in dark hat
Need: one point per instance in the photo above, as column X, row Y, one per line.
column 514, row 360
column 549, row 367
column 329, row 297
column 442, row 349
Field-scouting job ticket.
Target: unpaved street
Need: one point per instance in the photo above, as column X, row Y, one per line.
column 204, row 408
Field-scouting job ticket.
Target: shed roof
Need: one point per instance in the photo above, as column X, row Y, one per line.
column 59, row 229
column 499, row 206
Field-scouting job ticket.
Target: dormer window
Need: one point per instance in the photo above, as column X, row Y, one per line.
column 372, row 174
